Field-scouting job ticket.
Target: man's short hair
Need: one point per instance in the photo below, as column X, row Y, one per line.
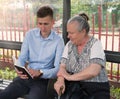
column 45, row 11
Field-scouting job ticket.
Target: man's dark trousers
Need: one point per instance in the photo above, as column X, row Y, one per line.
column 35, row 89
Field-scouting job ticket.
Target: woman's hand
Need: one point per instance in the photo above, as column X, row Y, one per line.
column 59, row 86
column 62, row 72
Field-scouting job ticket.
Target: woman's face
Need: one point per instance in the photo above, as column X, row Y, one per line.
column 74, row 35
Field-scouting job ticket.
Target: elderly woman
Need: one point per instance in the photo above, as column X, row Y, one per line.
column 82, row 72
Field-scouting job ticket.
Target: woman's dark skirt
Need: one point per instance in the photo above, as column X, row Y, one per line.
column 86, row 90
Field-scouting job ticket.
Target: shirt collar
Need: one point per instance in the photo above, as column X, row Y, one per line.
column 50, row 37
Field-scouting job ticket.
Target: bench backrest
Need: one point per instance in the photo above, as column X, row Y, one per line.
column 13, row 45
column 111, row 56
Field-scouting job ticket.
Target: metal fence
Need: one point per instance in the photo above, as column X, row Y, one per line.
column 110, row 38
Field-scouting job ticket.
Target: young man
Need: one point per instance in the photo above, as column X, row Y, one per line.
column 42, row 49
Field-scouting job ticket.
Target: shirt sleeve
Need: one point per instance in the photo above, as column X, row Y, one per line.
column 24, row 51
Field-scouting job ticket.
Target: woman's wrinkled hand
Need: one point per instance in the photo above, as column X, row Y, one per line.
column 62, row 72
column 59, row 86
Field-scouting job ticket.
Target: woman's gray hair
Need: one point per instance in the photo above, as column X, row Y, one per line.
column 82, row 21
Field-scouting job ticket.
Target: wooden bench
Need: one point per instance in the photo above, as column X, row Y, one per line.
column 111, row 56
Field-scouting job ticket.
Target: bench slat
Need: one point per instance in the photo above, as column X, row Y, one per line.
column 112, row 56
column 14, row 45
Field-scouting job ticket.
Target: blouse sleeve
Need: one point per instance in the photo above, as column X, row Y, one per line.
column 97, row 54
column 65, row 55
column 65, row 52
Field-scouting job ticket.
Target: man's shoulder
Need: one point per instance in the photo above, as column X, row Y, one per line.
column 56, row 35
column 33, row 30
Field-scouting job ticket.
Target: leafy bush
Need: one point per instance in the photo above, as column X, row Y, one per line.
column 115, row 92
column 7, row 73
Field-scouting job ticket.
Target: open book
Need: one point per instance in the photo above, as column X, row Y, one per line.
column 21, row 68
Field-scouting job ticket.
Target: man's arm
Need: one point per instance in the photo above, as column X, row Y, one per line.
column 52, row 73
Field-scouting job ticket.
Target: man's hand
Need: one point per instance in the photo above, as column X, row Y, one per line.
column 35, row 73
column 21, row 75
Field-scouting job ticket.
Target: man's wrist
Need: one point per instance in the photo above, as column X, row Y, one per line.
column 41, row 72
